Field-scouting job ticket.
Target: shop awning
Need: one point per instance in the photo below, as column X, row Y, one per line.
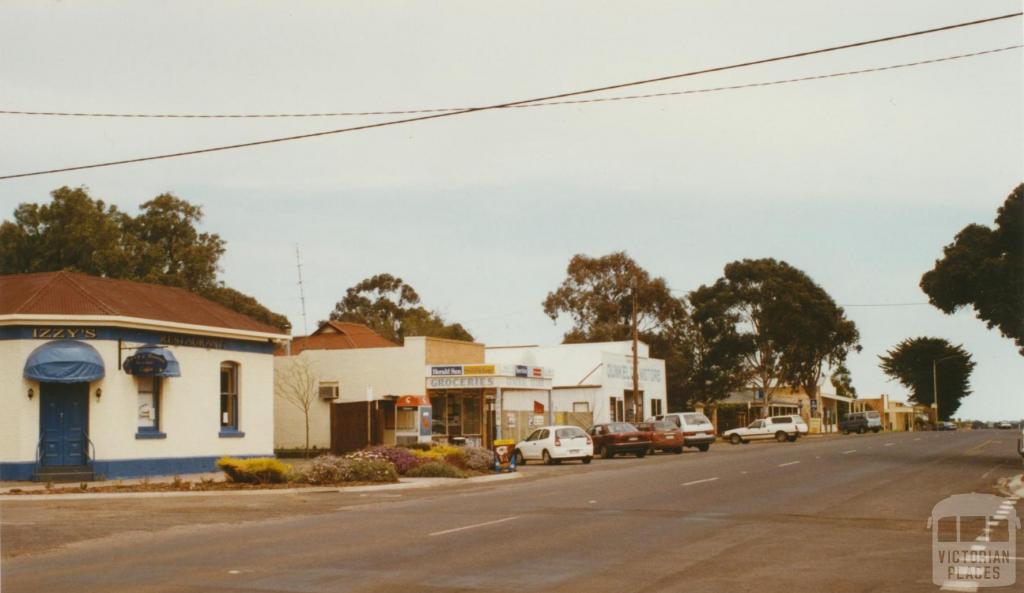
column 152, row 361
column 64, row 361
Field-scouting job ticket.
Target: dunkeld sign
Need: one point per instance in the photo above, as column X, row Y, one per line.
column 145, row 364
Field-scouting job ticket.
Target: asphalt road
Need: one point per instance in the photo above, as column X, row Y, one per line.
column 829, row 514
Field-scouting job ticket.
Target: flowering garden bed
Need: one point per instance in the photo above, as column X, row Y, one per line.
column 375, row 465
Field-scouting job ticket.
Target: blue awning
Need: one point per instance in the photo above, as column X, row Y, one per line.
column 172, row 369
column 64, row 361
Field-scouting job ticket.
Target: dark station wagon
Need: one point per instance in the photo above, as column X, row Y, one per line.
column 618, row 437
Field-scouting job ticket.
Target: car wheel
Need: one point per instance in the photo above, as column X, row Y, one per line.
column 875, row 430
column 547, row 458
column 792, row 438
column 605, row 452
column 702, row 448
column 846, row 431
column 586, row 460
column 735, row 439
column 677, row 450
column 520, row 460
column 781, row 437
column 641, row 454
column 860, row 430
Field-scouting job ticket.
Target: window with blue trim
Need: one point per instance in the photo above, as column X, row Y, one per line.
column 149, row 404
column 229, row 396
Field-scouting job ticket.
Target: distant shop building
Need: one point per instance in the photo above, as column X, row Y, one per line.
column 896, row 416
column 117, row 378
column 372, row 391
column 591, row 383
column 821, row 413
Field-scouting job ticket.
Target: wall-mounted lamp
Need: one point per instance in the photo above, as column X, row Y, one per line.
column 30, row 393
column 99, row 392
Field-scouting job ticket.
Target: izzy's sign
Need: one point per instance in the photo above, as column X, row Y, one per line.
column 64, row 333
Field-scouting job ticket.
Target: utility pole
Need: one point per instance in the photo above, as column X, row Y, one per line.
column 302, row 294
column 636, row 364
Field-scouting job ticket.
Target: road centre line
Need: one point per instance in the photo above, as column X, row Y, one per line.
column 850, row 451
column 790, row 463
column 474, row 526
column 889, row 444
column 698, row 481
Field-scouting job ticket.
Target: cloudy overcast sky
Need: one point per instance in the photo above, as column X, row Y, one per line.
column 859, row 181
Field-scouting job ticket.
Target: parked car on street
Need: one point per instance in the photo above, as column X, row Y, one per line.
column 554, row 444
column 945, row 425
column 618, row 437
column 861, row 422
column 664, row 436
column 697, row 429
column 796, row 420
column 1004, row 426
column 763, row 429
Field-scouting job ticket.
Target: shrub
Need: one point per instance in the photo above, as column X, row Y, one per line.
column 436, row 469
column 370, row 470
column 479, row 459
column 259, row 470
column 403, row 459
column 438, row 452
column 418, row 446
column 328, row 469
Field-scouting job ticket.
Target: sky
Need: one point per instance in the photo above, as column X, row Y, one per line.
column 859, row 181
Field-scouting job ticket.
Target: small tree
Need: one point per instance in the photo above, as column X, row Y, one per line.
column 297, row 384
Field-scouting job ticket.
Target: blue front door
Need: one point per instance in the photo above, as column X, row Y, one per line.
column 63, row 419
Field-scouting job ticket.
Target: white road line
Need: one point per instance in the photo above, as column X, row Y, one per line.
column 698, row 481
column 850, row 451
column 889, row 444
column 917, row 439
column 485, row 524
column 790, row 463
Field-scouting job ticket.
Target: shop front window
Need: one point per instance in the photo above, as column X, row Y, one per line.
column 228, row 397
column 149, row 404
column 471, row 415
column 438, row 425
column 406, row 419
column 454, row 415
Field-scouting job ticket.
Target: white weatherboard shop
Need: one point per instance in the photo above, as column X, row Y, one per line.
column 111, row 378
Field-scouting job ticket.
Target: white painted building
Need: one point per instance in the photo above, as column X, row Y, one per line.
column 592, row 377
column 121, row 378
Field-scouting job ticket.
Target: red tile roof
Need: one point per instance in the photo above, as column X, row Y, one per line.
column 339, row 335
column 71, row 293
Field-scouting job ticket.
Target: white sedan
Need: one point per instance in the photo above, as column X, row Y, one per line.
column 552, row 444
column 766, row 428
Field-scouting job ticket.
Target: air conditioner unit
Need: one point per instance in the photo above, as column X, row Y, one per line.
column 328, row 392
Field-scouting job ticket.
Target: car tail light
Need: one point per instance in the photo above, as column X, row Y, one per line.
column 558, row 442
column 689, row 434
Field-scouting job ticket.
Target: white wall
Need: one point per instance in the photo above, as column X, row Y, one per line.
column 189, row 412
column 388, row 371
column 591, row 372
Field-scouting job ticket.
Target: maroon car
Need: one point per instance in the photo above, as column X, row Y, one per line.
column 664, row 435
column 618, row 437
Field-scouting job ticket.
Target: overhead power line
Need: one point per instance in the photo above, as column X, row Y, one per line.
column 515, row 103
column 530, row 105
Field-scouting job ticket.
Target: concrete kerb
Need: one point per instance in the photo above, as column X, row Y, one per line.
column 403, row 484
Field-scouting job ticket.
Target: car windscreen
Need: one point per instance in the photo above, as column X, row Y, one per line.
column 569, row 433
column 621, row 427
column 696, row 419
column 665, row 425
column 871, row 414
